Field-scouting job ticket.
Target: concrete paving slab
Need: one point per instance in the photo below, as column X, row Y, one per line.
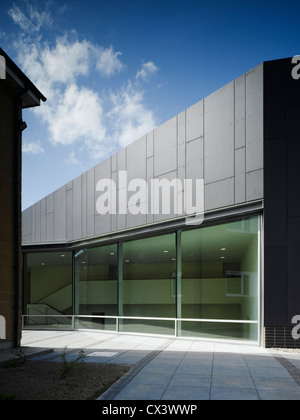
column 236, row 382
column 175, row 369
column 234, row 394
column 278, row 395
column 190, row 393
column 145, row 392
column 283, row 384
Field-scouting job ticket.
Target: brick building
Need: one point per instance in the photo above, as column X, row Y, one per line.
column 17, row 92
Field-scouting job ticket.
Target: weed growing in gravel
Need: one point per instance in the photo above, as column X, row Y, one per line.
column 67, row 367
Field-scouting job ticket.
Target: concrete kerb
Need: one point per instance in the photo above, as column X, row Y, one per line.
column 29, row 353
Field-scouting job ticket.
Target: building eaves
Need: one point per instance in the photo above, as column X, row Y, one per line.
column 18, row 81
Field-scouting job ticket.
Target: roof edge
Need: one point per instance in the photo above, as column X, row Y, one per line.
column 16, row 71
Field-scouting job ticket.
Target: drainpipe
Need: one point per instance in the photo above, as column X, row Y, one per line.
column 19, row 126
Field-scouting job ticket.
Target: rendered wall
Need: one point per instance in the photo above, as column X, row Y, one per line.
column 219, row 139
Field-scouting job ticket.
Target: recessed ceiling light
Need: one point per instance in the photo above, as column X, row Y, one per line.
column 62, row 255
column 112, row 253
column 223, row 249
column 43, row 263
column 166, row 251
column 222, row 258
column 127, row 261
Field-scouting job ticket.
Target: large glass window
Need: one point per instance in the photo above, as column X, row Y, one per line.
column 206, row 277
column 48, row 289
column 220, row 279
column 96, row 276
column 149, row 285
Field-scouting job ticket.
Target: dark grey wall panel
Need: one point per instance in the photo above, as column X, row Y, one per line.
column 293, row 174
column 281, row 193
column 293, row 288
column 275, row 290
column 276, row 192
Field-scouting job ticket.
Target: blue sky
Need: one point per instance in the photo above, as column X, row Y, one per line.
column 113, row 70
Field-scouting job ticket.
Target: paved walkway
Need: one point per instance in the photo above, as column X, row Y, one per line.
column 176, row 369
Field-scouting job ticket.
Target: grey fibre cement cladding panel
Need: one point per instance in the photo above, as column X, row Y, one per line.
column 219, row 134
column 218, row 139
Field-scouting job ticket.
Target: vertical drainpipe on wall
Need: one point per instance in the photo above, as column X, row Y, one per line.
column 17, row 207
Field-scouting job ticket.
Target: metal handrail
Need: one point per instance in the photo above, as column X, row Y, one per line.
column 117, row 318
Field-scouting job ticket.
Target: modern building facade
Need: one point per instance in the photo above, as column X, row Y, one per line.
column 16, row 93
column 227, row 274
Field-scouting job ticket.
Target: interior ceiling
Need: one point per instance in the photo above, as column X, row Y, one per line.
column 206, row 244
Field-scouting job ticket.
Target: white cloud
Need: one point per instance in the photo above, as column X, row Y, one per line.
column 147, row 70
column 66, row 61
column 32, row 148
column 76, row 116
column 21, row 20
column 72, row 159
column 108, row 62
column 31, row 23
column 74, row 113
column 129, row 115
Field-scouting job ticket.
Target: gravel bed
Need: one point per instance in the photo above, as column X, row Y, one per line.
column 43, row 381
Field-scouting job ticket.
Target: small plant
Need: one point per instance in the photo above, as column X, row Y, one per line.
column 18, row 360
column 66, row 366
